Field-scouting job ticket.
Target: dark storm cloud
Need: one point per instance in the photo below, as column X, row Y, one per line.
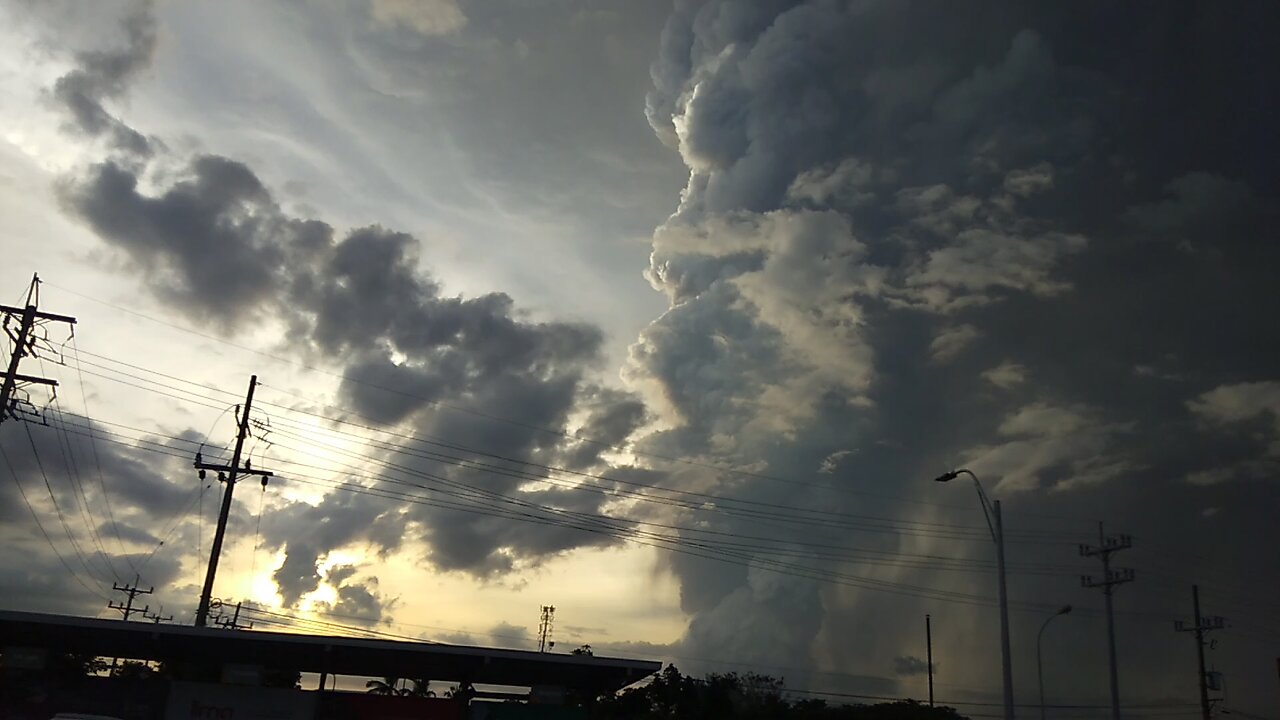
column 910, row 665
column 138, row 482
column 356, row 600
column 100, row 509
column 307, row 532
column 917, row 235
column 103, row 75
column 213, row 243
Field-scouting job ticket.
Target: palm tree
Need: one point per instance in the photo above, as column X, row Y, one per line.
column 462, row 691
column 385, row 686
column 421, row 688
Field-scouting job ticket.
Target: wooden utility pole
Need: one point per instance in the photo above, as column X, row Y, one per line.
column 24, row 345
column 228, row 474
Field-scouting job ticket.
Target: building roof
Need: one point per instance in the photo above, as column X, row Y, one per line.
column 319, row 653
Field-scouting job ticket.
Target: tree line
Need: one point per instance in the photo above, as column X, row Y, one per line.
column 748, row 696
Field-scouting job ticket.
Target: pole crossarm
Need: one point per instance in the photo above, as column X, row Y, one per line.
column 39, row 314
column 32, row 380
column 24, row 345
column 244, row 470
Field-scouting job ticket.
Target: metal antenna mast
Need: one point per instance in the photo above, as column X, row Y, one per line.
column 544, row 628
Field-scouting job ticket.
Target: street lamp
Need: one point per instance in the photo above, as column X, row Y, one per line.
column 991, row 510
column 1039, row 662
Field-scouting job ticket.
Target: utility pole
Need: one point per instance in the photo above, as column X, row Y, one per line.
column 544, row 628
column 234, row 622
column 1006, row 656
column 157, row 618
column 1107, row 546
column 928, row 644
column 132, row 591
column 24, row 345
column 1202, row 624
column 231, row 472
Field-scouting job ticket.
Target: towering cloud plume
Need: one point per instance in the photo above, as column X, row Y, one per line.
column 1030, row 239
column 918, row 235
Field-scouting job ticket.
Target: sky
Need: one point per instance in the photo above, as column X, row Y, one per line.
column 666, row 314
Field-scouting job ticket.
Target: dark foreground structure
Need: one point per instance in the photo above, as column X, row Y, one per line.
column 218, row 674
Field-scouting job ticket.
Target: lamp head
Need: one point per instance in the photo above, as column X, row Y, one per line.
column 947, row 477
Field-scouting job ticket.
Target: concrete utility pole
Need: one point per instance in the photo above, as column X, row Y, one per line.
column 231, row 472
column 24, row 345
column 1107, row 546
column 928, row 649
column 132, row 591
column 1202, row 624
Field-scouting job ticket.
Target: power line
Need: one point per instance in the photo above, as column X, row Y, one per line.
column 75, row 547
column 97, row 460
column 678, row 545
column 806, row 516
column 469, row 505
column 36, row 517
column 661, row 542
column 79, row 496
column 203, row 401
column 478, row 413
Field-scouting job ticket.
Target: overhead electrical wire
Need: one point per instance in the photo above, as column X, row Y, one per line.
column 695, row 549
column 671, row 496
column 783, row 541
column 97, row 460
column 348, row 422
column 678, row 545
column 735, row 505
column 364, row 439
column 75, row 546
column 573, row 436
column 45, row 533
column 79, row 495
column 1012, row 537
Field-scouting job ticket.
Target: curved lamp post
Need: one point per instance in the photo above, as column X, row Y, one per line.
column 1039, row 662
column 992, row 512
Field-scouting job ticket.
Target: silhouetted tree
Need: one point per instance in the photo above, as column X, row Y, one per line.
column 385, row 686
column 672, row 696
column 133, row 670
column 420, row 688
